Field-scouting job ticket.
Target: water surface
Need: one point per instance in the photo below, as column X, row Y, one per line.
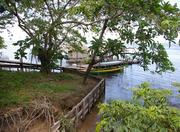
column 118, row 85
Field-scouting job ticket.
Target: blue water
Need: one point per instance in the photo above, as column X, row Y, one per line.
column 118, row 85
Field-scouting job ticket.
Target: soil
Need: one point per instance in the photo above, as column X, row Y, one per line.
column 61, row 103
column 90, row 122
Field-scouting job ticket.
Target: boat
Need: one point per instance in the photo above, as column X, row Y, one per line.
column 106, row 67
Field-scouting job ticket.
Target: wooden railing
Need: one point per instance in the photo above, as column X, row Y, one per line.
column 79, row 112
column 19, row 66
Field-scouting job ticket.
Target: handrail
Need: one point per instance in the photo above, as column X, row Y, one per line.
column 17, row 62
column 21, row 66
column 80, row 111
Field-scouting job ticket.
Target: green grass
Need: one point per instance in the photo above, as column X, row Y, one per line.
column 52, row 87
column 17, row 88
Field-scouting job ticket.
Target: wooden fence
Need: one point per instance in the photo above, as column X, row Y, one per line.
column 79, row 112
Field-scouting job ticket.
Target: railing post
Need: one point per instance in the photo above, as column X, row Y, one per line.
column 83, row 109
column 104, row 85
column 76, row 116
column 89, row 103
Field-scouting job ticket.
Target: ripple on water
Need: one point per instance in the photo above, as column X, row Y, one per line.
column 118, row 86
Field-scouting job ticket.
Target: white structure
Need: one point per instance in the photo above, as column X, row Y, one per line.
column 77, row 57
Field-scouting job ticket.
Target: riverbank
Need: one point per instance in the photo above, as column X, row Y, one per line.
column 24, row 90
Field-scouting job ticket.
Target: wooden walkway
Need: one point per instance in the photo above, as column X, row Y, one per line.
column 79, row 112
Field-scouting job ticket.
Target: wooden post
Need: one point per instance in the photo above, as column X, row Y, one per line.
column 89, row 102
column 21, row 64
column 104, row 85
column 55, row 127
column 76, row 116
column 83, row 109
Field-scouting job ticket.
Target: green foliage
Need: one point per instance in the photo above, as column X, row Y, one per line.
column 86, row 61
column 138, row 22
column 176, row 84
column 66, row 124
column 23, row 44
column 53, row 26
column 2, row 43
column 48, row 34
column 112, row 46
column 151, row 97
column 148, row 111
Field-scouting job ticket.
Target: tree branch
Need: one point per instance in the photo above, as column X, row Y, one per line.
column 20, row 21
column 49, row 9
column 91, row 23
column 66, row 4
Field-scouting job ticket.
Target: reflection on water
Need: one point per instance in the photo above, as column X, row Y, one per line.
column 118, row 85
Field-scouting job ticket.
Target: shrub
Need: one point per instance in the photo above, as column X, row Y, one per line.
column 148, row 111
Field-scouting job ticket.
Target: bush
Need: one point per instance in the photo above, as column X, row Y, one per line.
column 148, row 111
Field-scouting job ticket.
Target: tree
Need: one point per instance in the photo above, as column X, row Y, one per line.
column 149, row 111
column 4, row 20
column 135, row 21
column 45, row 23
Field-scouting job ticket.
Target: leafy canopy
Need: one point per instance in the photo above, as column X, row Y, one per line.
column 52, row 25
column 136, row 22
column 46, row 26
column 148, row 111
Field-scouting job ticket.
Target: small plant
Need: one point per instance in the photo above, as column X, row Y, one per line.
column 66, row 125
column 148, row 111
column 176, row 84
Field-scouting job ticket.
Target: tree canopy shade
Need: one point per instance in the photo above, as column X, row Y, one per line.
column 44, row 22
column 149, row 111
column 134, row 21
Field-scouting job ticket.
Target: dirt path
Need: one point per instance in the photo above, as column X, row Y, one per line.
column 89, row 124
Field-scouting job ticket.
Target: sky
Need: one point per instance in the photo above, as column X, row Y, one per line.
column 18, row 34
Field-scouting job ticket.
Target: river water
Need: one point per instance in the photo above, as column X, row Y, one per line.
column 118, row 86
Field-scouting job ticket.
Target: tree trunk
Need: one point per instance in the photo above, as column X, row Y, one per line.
column 45, row 60
column 90, row 66
column 94, row 54
column 45, row 66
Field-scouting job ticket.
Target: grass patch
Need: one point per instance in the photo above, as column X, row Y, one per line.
column 8, row 98
column 18, row 88
column 53, row 87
